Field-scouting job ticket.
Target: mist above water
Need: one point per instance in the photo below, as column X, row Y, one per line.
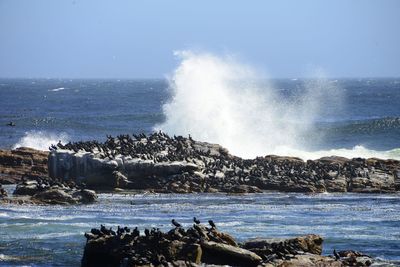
column 219, row 100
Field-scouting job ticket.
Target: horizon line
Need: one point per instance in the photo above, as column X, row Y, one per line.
column 165, row 78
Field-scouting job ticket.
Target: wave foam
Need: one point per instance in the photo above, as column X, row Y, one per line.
column 218, row 100
column 40, row 140
column 57, row 89
column 355, row 152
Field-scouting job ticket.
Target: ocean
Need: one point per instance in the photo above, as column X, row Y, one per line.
column 365, row 121
column 297, row 117
column 53, row 235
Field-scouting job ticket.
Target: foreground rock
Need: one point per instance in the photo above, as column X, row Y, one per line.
column 15, row 164
column 3, row 192
column 181, row 165
column 206, row 245
column 50, row 192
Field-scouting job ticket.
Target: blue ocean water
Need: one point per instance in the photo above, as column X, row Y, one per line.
column 47, row 110
column 53, row 235
column 369, row 112
column 82, row 109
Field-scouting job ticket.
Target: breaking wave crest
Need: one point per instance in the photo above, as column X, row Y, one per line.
column 218, row 100
column 40, row 140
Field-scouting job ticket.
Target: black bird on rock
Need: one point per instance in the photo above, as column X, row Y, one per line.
column 212, row 224
column 196, row 220
column 337, row 257
column 89, row 236
column 136, row 232
column 175, row 223
column 96, row 232
column 147, row 232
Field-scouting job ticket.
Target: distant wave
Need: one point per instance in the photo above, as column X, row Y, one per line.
column 358, row 151
column 374, row 124
column 40, row 140
column 57, row 89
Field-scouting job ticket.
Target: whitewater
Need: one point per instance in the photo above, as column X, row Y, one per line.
column 221, row 101
column 215, row 99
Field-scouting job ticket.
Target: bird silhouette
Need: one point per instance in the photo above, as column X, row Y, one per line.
column 212, row 224
column 196, row 220
column 175, row 223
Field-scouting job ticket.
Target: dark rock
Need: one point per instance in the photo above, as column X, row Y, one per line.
column 27, row 188
column 54, row 196
column 299, row 245
column 244, row 189
column 85, row 196
column 3, row 192
column 354, row 258
column 199, row 245
column 42, row 191
column 181, row 250
column 307, row 260
column 219, row 253
column 14, row 164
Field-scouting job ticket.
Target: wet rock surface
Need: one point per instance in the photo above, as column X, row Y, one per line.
column 205, row 245
column 3, row 192
column 15, row 164
column 46, row 191
column 177, row 164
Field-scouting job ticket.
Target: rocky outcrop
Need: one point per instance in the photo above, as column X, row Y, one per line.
column 181, row 165
column 3, row 192
column 224, row 254
column 50, row 192
column 201, row 245
column 15, row 164
column 276, row 247
column 54, row 196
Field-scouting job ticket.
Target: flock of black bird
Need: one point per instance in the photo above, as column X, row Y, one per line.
column 103, row 231
column 135, row 146
column 149, row 247
column 152, row 246
column 222, row 169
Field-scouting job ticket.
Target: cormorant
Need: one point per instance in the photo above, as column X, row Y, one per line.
column 147, row 232
column 196, row 220
column 212, row 224
column 175, row 223
column 337, row 257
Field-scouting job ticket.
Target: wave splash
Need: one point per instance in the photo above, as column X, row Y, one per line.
column 57, row 89
column 40, row 140
column 218, row 100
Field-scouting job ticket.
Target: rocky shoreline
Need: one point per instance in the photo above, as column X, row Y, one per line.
column 159, row 163
column 45, row 192
column 165, row 164
column 22, row 163
column 201, row 245
column 27, row 168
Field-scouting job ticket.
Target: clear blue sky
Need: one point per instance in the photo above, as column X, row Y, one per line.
column 136, row 39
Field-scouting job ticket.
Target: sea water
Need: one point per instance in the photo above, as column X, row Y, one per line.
column 364, row 122
column 219, row 101
column 53, row 235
